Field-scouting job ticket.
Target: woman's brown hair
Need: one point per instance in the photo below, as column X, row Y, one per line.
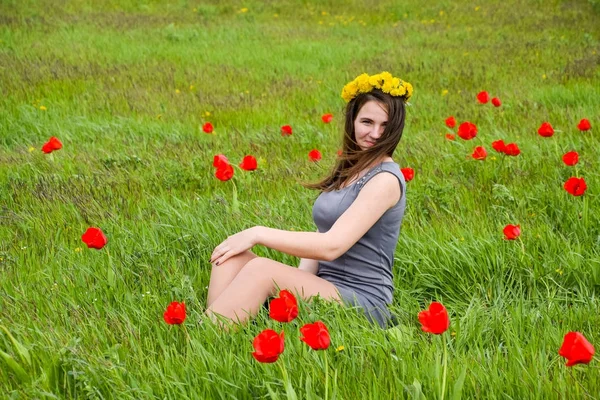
column 353, row 159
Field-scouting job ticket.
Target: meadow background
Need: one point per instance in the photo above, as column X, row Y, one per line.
column 126, row 86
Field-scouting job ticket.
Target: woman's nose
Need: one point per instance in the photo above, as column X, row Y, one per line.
column 377, row 131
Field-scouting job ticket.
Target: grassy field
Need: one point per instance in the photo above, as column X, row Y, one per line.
column 127, row 85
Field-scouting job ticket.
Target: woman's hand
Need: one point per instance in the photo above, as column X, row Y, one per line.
column 235, row 245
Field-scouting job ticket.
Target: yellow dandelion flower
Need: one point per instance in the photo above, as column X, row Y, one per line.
column 409, row 89
column 195, row 10
column 340, row 348
column 442, row 13
column 243, row 10
column 375, row 81
column 324, row 13
column 492, row 158
column 191, row 87
column 207, row 113
column 78, row 249
column 362, row 83
column 43, row 108
column 276, row 15
column 544, row 76
column 320, row 22
column 387, row 86
column 444, row 92
column 177, row 91
column 31, row 149
column 453, row 333
column 477, row 8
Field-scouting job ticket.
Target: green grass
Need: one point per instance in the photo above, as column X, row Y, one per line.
column 136, row 163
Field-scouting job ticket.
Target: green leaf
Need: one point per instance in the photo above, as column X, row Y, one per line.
column 19, row 348
column 16, row 368
column 458, row 385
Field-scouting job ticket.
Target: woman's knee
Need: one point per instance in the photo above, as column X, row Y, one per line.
column 254, row 264
column 239, row 260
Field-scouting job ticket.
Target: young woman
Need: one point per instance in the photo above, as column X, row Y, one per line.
column 358, row 214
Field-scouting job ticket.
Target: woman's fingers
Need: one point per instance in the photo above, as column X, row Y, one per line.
column 218, row 253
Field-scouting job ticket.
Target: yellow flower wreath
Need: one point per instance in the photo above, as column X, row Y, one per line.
column 383, row 81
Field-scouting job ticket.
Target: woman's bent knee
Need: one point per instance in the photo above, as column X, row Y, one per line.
column 239, row 259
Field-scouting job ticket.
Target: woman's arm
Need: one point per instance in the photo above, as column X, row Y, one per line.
column 312, row 245
column 309, row 265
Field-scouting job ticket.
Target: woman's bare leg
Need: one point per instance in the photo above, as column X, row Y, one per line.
column 222, row 275
column 259, row 279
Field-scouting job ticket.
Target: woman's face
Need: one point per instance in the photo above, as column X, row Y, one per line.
column 369, row 124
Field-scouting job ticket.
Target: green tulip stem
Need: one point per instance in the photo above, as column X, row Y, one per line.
column 445, row 367
column 235, row 205
column 326, row 375
column 110, row 276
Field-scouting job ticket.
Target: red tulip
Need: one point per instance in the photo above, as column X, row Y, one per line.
column 52, row 144
column 208, row 127
column 284, row 308
column 224, row 172
column 499, row 146
column 316, row 335
column 450, row 136
column 576, row 349
column 408, row 173
column 249, row 163
column 314, row 155
column 286, row 130
column 175, row 313
column 483, row 97
column 467, row 130
column 450, row 122
column 327, row 118
column 479, row 153
column 512, row 149
column 434, row 320
column 546, row 130
column 496, row 102
column 571, row 158
column 268, row 345
column 575, row 186
column 94, row 238
column 511, row 232
column 220, row 161
column 584, row 125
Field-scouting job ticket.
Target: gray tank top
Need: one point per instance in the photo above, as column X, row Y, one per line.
column 366, row 268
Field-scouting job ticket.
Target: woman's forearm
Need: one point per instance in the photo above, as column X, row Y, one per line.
column 313, row 245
